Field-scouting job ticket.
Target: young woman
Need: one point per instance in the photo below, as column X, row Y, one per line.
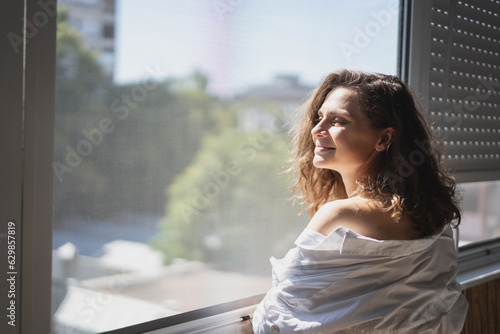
column 378, row 254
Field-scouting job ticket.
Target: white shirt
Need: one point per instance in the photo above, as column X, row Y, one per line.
column 348, row 283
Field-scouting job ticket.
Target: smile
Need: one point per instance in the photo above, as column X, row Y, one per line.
column 323, row 149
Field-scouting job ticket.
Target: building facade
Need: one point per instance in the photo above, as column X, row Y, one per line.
column 95, row 20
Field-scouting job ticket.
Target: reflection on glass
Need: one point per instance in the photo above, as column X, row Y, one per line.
column 168, row 191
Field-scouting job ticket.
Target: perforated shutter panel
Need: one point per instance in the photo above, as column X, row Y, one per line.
column 464, row 90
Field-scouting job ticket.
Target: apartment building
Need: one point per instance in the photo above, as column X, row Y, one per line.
column 95, row 20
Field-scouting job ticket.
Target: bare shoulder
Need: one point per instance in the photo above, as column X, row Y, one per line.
column 362, row 216
column 342, row 212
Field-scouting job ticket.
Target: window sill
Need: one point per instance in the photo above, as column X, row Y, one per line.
column 479, row 263
column 232, row 317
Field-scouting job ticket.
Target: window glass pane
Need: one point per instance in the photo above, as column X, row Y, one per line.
column 481, row 212
column 171, row 136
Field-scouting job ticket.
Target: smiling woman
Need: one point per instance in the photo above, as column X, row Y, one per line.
column 390, row 153
column 356, row 130
column 345, row 139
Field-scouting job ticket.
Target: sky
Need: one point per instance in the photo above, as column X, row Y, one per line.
column 240, row 43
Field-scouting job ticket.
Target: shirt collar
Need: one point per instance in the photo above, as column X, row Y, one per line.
column 348, row 242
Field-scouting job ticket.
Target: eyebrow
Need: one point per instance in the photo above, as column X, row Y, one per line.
column 334, row 112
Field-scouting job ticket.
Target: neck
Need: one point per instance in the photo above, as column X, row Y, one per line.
column 349, row 182
column 349, row 177
column 350, row 186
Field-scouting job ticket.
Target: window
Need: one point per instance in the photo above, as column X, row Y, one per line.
column 107, row 61
column 90, row 28
column 108, row 31
column 167, row 193
column 114, row 181
column 481, row 215
column 109, row 6
column 89, row 3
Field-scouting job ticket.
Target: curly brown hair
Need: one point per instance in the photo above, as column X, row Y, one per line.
column 410, row 177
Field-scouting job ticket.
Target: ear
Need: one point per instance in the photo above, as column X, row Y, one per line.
column 386, row 138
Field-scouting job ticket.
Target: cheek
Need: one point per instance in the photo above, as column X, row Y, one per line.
column 345, row 138
column 337, row 134
column 355, row 143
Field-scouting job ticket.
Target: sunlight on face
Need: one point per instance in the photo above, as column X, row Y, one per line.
column 344, row 137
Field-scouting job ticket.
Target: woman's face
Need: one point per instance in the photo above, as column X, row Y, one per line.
column 344, row 137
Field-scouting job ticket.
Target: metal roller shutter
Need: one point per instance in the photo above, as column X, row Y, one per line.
column 453, row 62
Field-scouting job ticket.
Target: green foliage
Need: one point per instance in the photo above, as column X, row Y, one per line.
column 118, row 147
column 155, row 129
column 79, row 88
column 79, row 77
column 154, row 143
column 229, row 205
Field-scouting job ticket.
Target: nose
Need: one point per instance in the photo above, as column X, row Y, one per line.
column 318, row 130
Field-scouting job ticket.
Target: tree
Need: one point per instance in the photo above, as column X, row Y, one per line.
column 155, row 138
column 118, row 146
column 229, row 206
column 80, row 87
column 79, row 77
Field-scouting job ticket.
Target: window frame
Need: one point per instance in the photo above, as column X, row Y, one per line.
column 27, row 172
column 28, row 74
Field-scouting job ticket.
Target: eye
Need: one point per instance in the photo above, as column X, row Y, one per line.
column 338, row 121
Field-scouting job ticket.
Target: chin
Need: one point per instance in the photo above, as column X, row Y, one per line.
column 320, row 164
column 317, row 163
